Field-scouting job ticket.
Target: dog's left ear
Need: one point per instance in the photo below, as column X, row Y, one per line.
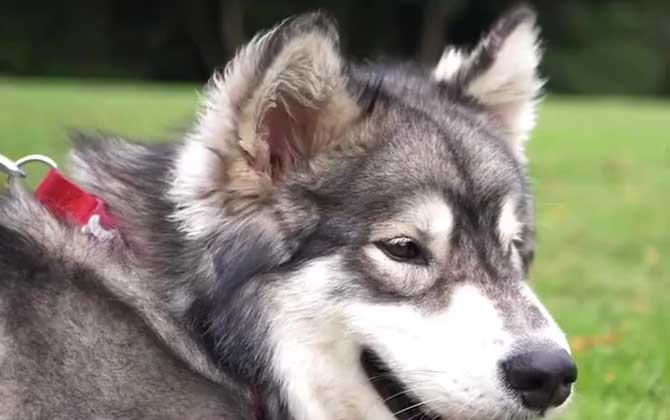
column 280, row 101
column 501, row 74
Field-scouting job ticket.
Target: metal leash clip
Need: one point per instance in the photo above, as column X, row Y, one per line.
column 15, row 168
column 65, row 199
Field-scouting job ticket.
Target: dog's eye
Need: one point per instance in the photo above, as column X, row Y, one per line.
column 401, row 249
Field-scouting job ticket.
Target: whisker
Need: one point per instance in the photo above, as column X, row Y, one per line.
column 415, row 406
column 409, row 391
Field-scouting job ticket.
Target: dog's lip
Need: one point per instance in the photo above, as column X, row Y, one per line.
column 396, row 396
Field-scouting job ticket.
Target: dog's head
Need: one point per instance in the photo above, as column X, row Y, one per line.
column 379, row 219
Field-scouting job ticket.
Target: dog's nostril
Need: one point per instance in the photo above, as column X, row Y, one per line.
column 542, row 378
column 572, row 378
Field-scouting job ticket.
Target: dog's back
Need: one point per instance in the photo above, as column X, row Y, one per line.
column 71, row 347
column 332, row 236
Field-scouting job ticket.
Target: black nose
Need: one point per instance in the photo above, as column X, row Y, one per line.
column 542, row 378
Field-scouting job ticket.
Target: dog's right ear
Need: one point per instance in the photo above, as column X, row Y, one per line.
column 501, row 74
column 282, row 99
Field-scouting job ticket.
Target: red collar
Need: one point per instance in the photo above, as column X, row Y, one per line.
column 69, row 202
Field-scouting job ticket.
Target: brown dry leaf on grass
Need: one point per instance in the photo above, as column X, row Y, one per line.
column 651, row 256
column 586, row 342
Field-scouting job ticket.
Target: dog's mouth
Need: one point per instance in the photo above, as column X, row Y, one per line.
column 398, row 398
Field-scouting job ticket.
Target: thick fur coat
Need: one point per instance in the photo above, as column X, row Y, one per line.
column 329, row 241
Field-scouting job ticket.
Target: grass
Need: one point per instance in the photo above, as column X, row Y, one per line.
column 601, row 170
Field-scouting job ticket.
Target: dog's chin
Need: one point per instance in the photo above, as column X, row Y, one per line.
column 397, row 397
column 402, row 403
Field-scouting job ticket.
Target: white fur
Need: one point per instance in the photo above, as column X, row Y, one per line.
column 447, row 358
column 509, row 229
column 195, row 170
column 449, row 64
column 509, row 226
column 317, row 360
column 434, row 217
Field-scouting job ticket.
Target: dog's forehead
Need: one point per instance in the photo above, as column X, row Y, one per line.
column 445, row 150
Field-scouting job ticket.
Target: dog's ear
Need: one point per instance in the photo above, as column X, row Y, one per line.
column 501, row 74
column 282, row 99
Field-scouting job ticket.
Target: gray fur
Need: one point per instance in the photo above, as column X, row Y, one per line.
column 163, row 323
column 81, row 339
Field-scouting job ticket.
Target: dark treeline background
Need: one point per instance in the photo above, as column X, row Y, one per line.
column 593, row 46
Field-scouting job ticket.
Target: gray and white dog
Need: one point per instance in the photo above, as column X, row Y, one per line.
column 329, row 241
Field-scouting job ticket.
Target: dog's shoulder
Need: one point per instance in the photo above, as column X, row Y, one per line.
column 74, row 341
column 27, row 233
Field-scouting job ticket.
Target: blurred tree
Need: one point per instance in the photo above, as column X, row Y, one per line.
column 593, row 46
column 232, row 25
column 434, row 28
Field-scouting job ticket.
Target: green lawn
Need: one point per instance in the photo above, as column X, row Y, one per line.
column 601, row 170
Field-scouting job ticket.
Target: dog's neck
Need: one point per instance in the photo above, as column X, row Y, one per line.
column 134, row 180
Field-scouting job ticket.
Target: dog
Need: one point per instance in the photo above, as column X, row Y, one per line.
column 329, row 241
